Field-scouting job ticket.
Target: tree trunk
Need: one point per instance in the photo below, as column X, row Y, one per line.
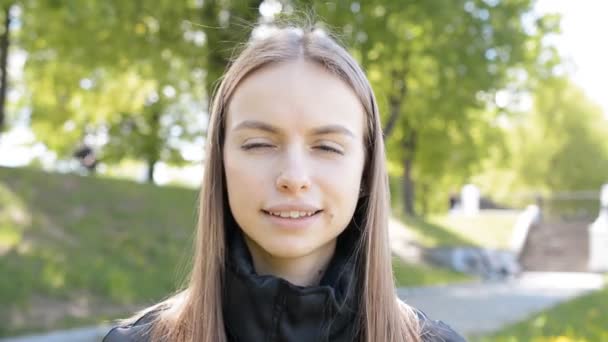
column 152, row 154
column 409, row 149
column 424, row 203
column 395, row 102
column 150, row 171
column 222, row 35
column 4, row 45
column 394, row 109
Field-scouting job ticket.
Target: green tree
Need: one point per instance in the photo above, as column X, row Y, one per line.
column 170, row 53
column 561, row 145
column 103, row 59
column 435, row 66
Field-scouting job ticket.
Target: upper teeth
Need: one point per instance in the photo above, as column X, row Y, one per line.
column 292, row 214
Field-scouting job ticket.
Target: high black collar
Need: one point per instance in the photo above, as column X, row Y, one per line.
column 268, row 308
column 265, row 308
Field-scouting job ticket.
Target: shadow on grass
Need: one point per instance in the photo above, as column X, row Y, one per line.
column 434, row 235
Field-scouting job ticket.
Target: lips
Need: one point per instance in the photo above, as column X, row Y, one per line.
column 292, row 210
column 293, row 214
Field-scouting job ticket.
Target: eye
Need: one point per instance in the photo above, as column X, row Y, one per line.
column 256, row 146
column 326, row 148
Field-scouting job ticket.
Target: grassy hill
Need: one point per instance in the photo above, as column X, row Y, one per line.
column 78, row 250
column 80, row 247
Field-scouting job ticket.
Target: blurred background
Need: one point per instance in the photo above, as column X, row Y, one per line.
column 495, row 116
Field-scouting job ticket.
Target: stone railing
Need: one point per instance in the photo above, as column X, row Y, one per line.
column 525, row 220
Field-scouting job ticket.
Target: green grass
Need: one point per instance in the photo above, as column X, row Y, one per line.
column 407, row 274
column 66, row 238
column 111, row 244
column 584, row 319
column 487, row 229
column 491, row 229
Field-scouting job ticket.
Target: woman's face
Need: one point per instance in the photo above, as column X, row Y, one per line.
column 293, row 147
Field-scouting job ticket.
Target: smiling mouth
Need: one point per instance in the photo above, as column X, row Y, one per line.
column 293, row 215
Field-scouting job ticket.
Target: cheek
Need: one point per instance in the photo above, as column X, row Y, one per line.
column 242, row 181
column 342, row 184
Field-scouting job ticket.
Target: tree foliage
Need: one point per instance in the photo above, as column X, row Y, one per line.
column 561, row 145
column 435, row 67
column 132, row 72
column 124, row 70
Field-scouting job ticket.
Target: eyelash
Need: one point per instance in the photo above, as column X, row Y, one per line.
column 252, row 146
column 329, row 149
column 324, row 148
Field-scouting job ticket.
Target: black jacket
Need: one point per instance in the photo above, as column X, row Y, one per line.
column 266, row 308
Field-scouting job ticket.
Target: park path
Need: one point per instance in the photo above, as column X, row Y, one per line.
column 87, row 334
column 469, row 308
column 479, row 308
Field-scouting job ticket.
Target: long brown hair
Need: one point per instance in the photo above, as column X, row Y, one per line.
column 195, row 313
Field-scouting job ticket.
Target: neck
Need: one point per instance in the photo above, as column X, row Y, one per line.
column 302, row 271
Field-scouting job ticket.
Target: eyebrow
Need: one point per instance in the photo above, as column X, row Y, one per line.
column 322, row 130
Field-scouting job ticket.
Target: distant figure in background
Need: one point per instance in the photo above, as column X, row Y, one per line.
column 292, row 241
column 453, row 199
column 86, row 157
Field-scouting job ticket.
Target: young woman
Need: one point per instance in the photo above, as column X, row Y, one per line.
column 292, row 241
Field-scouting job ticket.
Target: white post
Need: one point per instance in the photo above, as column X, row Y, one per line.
column 470, row 195
column 598, row 236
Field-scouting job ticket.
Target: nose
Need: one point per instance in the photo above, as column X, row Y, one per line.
column 294, row 176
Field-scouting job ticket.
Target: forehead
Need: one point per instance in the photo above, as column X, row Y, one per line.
column 296, row 93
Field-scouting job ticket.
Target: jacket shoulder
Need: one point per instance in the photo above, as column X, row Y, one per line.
column 437, row 331
column 138, row 331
